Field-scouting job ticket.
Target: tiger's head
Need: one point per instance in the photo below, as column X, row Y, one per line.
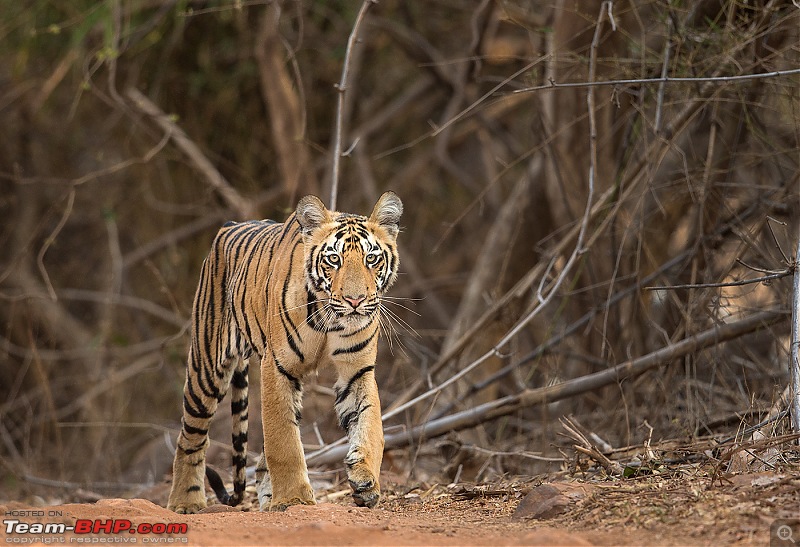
column 350, row 260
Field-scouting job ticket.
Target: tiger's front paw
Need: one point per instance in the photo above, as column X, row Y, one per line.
column 284, row 497
column 366, row 489
column 284, row 504
column 191, row 502
column 188, row 494
column 366, row 493
column 187, row 509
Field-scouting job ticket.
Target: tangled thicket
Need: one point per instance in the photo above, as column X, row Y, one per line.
column 132, row 129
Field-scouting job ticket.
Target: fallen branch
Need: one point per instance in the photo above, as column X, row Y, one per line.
column 232, row 198
column 564, row 390
column 588, row 448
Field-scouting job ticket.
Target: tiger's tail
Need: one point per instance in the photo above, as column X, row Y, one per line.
column 239, row 391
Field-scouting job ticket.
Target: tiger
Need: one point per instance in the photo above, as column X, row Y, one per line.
column 301, row 294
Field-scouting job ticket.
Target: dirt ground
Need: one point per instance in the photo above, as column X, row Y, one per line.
column 679, row 509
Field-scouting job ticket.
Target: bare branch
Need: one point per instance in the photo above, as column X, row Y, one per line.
column 342, row 89
column 51, row 239
column 761, row 279
column 661, row 80
column 232, row 198
column 663, row 85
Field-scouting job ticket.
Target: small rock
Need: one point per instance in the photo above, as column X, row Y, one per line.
column 543, row 502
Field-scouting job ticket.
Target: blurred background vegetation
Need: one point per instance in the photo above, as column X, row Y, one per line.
column 132, row 129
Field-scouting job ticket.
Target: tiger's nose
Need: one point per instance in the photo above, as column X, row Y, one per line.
column 354, row 300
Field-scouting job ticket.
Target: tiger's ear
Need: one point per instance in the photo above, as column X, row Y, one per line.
column 387, row 212
column 311, row 213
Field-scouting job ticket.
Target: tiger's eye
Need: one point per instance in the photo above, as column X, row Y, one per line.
column 373, row 259
column 333, row 259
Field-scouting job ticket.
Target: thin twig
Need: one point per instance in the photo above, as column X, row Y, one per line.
column 493, row 91
column 664, row 68
column 760, row 269
column 543, row 301
column 637, row 176
column 513, row 454
column 552, row 84
column 341, row 87
column 777, row 275
column 51, row 239
column 775, row 239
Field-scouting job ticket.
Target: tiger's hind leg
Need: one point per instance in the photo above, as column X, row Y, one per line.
column 202, row 393
column 239, row 404
column 189, row 466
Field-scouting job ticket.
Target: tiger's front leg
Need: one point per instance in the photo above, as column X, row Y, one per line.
column 358, row 408
column 281, row 400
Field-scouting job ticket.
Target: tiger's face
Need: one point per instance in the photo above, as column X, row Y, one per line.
column 351, row 260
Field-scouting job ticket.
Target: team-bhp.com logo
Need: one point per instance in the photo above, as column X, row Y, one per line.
column 91, row 531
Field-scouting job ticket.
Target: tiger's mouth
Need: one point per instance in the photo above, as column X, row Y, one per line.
column 343, row 312
column 348, row 313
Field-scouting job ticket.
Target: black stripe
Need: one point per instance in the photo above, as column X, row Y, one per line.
column 237, row 407
column 311, row 310
column 239, row 379
column 239, row 462
column 190, row 451
column 356, row 347
column 346, row 420
column 239, row 442
column 289, row 327
column 294, row 381
column 262, row 255
column 209, row 387
column 253, row 251
column 287, row 228
column 191, row 430
column 203, row 300
column 194, row 488
column 200, row 412
column 341, row 396
column 358, row 330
